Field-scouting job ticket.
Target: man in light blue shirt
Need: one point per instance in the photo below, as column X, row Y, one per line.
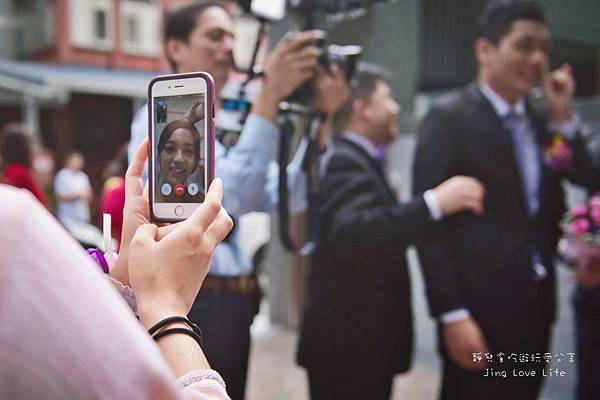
column 199, row 38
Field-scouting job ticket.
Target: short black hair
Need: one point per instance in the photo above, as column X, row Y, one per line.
column 362, row 85
column 180, row 23
column 498, row 16
column 15, row 146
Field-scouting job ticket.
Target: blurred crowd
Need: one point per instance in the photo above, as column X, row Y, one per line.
column 61, row 185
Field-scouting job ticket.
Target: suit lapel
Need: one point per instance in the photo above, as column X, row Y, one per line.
column 371, row 165
column 499, row 141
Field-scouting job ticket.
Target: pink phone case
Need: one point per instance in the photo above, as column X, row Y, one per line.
column 210, row 109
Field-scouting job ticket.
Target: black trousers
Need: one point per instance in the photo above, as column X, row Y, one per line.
column 499, row 382
column 329, row 384
column 587, row 320
column 225, row 318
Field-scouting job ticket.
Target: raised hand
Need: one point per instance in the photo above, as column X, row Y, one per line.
column 292, row 62
column 196, row 113
column 559, row 88
column 460, row 193
column 166, row 272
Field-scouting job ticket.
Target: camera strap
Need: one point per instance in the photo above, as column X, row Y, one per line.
column 311, row 167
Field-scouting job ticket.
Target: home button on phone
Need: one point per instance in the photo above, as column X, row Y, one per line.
column 179, row 211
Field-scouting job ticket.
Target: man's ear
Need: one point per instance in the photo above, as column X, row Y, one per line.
column 360, row 109
column 175, row 50
column 483, row 50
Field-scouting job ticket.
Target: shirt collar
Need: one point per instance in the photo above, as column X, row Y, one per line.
column 361, row 142
column 501, row 106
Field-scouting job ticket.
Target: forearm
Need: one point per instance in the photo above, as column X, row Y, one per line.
column 583, row 171
column 372, row 231
column 244, row 168
column 439, row 267
column 266, row 105
column 181, row 352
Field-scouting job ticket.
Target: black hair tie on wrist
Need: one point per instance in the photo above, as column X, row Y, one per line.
column 195, row 330
column 188, row 332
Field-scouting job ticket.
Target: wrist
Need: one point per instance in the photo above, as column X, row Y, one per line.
column 150, row 313
column 438, row 196
column 120, row 271
column 267, row 105
column 559, row 115
column 433, row 206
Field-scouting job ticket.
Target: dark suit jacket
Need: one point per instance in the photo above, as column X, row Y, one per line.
column 357, row 310
column 484, row 263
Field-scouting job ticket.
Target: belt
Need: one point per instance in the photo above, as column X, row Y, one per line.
column 243, row 285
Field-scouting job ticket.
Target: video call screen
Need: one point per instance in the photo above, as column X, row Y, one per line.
column 179, row 148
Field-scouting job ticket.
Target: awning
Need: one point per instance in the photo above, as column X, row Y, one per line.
column 55, row 82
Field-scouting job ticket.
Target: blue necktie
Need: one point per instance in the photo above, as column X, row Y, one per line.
column 527, row 156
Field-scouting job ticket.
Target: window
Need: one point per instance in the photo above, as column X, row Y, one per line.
column 132, row 31
column 100, row 25
column 139, row 34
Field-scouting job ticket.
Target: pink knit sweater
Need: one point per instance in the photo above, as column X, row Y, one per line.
column 65, row 332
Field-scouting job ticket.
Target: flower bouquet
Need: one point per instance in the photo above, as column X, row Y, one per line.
column 581, row 226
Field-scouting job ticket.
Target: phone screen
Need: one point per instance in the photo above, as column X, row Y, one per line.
column 179, row 147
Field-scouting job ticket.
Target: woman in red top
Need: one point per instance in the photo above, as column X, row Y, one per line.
column 16, row 156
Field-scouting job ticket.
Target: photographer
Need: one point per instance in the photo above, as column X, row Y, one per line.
column 200, row 38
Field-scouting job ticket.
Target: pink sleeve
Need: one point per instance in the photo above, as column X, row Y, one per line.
column 65, row 332
column 126, row 292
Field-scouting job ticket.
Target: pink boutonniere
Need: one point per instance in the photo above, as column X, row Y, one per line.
column 557, row 153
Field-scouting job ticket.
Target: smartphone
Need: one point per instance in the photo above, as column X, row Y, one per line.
column 181, row 154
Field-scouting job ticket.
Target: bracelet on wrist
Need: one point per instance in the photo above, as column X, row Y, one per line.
column 197, row 333
column 185, row 331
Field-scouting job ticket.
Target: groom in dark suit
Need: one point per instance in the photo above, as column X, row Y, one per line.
column 490, row 278
column 357, row 325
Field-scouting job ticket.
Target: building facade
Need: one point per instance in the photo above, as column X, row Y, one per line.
column 75, row 71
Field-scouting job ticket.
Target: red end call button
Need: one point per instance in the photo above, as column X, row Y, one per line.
column 179, row 189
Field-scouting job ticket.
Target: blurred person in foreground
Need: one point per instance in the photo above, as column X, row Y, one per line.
column 73, row 190
column 490, row 278
column 53, row 295
column 16, row 161
column 357, row 323
column 200, row 37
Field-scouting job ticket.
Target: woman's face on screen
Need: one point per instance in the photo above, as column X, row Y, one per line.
column 177, row 159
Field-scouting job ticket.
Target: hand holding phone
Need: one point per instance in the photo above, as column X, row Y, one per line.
column 181, row 137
